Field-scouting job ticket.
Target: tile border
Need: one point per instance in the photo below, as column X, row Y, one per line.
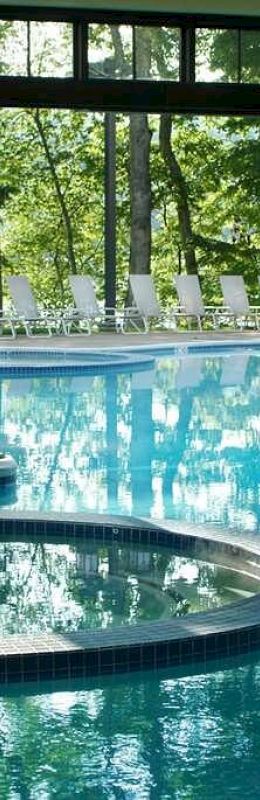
column 198, row 637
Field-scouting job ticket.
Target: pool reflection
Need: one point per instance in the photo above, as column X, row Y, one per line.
column 180, row 440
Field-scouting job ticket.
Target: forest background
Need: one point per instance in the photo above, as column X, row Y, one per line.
column 187, row 187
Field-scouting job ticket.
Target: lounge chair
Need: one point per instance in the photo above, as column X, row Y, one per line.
column 146, row 308
column 190, row 299
column 236, row 300
column 87, row 310
column 26, row 312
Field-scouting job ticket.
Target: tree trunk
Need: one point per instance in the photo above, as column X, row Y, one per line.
column 140, row 194
column 180, row 192
column 140, row 182
column 64, row 210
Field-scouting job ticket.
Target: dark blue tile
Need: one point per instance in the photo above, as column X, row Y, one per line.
column 14, row 664
column 14, row 677
column 174, row 652
column 243, row 641
column 161, row 538
column 2, row 669
column 106, row 658
column 233, row 642
column 41, row 527
column 60, row 661
column 91, row 662
column 153, row 536
column 75, row 658
column 133, row 666
column 78, row 530
column 148, row 655
column 69, row 529
column 210, row 645
column 186, row 650
column 221, row 644
column 99, row 532
column 134, row 655
column 46, row 664
column 254, row 636
column 88, row 532
column 121, row 656
column 9, row 526
column 162, row 654
column 31, row 676
column 30, row 663
column 135, row 535
column 20, row 526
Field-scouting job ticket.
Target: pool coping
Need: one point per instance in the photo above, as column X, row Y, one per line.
column 104, row 343
column 197, row 637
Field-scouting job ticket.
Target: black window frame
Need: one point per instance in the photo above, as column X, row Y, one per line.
column 109, row 94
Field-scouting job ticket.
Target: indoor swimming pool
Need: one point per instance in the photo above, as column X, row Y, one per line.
column 93, row 601
column 175, row 437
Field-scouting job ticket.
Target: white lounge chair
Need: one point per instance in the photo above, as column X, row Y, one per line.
column 26, row 312
column 87, row 310
column 190, row 299
column 236, row 300
column 146, row 307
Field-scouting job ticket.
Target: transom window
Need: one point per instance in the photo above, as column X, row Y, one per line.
column 112, row 50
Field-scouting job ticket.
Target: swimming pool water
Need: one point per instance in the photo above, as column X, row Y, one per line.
column 179, row 439
column 62, row 588
column 140, row 737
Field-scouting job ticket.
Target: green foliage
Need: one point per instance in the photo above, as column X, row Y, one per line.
column 52, row 181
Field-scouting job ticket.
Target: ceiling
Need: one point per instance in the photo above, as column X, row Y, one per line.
column 251, row 7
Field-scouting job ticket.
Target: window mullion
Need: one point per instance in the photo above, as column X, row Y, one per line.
column 187, row 58
column 80, row 42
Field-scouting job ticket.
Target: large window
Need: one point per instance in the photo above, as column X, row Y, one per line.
column 39, row 49
column 111, row 50
column 231, row 55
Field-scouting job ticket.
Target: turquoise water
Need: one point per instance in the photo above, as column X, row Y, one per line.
column 47, row 587
column 178, row 439
column 140, row 737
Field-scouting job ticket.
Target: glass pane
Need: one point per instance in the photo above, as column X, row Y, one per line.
column 250, row 56
column 13, row 48
column 51, row 49
column 216, row 55
column 157, row 53
column 110, row 51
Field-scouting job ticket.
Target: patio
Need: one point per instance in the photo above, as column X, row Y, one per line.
column 113, row 340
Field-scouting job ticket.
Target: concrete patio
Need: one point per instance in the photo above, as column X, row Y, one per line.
column 114, row 340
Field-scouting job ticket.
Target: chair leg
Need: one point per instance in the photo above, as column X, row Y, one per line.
column 28, row 325
column 13, row 333
column 135, row 326
column 68, row 324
